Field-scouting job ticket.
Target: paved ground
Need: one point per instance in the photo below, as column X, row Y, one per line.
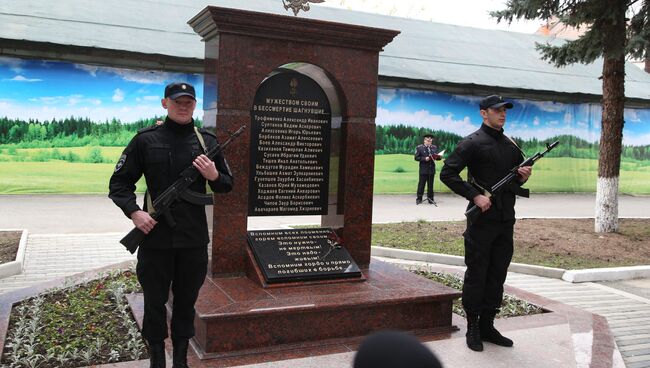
column 628, row 315
column 71, row 234
column 80, row 214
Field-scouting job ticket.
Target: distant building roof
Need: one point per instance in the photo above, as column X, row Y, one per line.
column 554, row 27
column 424, row 52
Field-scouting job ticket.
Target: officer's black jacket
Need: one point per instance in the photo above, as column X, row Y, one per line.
column 488, row 155
column 161, row 153
column 421, row 152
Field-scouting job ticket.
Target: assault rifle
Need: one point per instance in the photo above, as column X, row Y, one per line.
column 475, row 211
column 179, row 189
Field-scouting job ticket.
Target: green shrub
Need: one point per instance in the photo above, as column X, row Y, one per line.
column 41, row 156
column 510, row 306
column 80, row 325
column 72, row 157
column 55, row 154
column 95, row 156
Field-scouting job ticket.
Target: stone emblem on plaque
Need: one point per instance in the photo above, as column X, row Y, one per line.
column 298, row 5
column 293, row 87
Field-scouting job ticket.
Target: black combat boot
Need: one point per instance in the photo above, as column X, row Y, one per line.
column 473, row 335
column 180, row 353
column 489, row 333
column 157, row 355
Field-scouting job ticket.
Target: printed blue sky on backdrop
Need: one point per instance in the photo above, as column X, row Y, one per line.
column 528, row 119
column 36, row 89
column 42, row 90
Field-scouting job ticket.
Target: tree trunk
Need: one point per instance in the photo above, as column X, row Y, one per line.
column 611, row 135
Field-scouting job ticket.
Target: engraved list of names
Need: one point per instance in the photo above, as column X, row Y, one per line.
column 290, row 147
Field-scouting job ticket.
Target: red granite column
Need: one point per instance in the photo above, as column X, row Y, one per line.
column 359, row 163
column 241, row 315
column 243, row 48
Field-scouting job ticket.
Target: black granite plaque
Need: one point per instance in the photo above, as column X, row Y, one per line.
column 301, row 255
column 290, row 147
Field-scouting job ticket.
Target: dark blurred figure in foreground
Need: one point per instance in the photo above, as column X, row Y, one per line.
column 393, row 349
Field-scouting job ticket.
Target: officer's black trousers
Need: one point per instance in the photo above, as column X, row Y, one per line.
column 428, row 180
column 488, row 252
column 182, row 269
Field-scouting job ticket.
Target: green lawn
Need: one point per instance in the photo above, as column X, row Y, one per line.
column 394, row 174
column 550, row 174
column 55, row 177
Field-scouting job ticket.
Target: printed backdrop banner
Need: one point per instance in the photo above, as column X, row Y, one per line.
column 404, row 115
column 44, row 90
column 55, row 114
column 528, row 119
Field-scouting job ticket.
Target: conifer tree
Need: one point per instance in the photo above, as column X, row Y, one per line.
column 608, row 34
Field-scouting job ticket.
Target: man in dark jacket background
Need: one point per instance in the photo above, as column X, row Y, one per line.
column 426, row 154
column 489, row 155
column 174, row 253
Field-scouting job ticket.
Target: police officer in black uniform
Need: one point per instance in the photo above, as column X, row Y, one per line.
column 489, row 155
column 426, row 154
column 174, row 253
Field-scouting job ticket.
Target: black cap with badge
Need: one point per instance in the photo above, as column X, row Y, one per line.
column 176, row 90
column 494, row 102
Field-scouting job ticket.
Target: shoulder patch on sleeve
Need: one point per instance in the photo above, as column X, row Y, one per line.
column 120, row 162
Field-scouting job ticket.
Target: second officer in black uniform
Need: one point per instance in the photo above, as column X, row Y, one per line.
column 489, row 155
column 426, row 154
column 174, row 253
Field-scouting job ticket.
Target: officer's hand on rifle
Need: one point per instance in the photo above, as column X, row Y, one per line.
column 482, row 202
column 524, row 173
column 143, row 221
column 206, row 167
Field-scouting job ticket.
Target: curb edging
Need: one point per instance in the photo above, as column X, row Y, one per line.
column 15, row 267
column 572, row 276
column 607, row 274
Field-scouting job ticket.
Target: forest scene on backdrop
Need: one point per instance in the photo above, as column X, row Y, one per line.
column 405, row 115
column 63, row 126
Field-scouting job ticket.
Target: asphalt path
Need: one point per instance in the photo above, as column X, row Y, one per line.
column 83, row 214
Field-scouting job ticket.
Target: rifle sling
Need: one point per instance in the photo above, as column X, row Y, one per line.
column 150, row 209
column 194, row 197
column 516, row 145
column 199, row 136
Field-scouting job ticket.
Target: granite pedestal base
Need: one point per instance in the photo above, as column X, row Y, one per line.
column 236, row 316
